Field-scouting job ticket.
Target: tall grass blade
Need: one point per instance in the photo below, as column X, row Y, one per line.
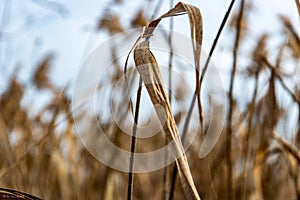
column 148, row 69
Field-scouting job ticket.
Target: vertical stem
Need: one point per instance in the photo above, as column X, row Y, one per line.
column 298, row 7
column 298, row 132
column 156, row 9
column 215, row 42
column 170, row 55
column 249, row 129
column 189, row 114
column 298, row 147
column 167, row 169
column 230, row 193
column 133, row 142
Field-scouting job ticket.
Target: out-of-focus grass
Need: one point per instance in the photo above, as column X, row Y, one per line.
column 40, row 153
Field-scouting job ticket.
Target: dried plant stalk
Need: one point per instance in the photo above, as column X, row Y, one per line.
column 257, row 172
column 278, row 76
column 167, row 169
column 231, row 106
column 133, row 142
column 144, row 59
column 148, row 68
column 292, row 150
column 195, row 20
column 196, row 25
column 298, row 7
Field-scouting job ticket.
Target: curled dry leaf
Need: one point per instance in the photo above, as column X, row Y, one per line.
column 196, row 25
column 149, row 71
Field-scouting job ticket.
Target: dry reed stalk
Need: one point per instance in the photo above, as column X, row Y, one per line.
column 208, row 169
column 49, row 130
column 206, row 65
column 116, row 135
column 230, row 190
column 288, row 25
column 138, row 21
column 195, row 20
column 191, row 107
column 292, row 150
column 278, row 76
column 133, row 142
column 225, row 18
column 148, row 68
column 150, row 74
column 167, row 169
column 258, row 54
column 8, row 150
column 249, row 130
column 298, row 7
column 94, row 173
column 257, row 171
column 293, row 41
column 5, row 144
column 170, row 55
column 157, row 7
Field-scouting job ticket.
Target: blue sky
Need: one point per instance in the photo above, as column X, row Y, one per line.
column 68, row 36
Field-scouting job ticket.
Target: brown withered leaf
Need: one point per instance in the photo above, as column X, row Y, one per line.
column 148, row 69
column 196, row 28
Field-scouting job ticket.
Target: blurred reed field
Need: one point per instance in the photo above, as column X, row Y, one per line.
column 256, row 156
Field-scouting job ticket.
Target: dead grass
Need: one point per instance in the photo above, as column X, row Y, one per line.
column 41, row 154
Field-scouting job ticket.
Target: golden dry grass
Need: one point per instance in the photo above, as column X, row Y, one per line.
column 41, row 154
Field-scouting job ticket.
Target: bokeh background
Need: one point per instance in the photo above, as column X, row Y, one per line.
column 43, row 45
